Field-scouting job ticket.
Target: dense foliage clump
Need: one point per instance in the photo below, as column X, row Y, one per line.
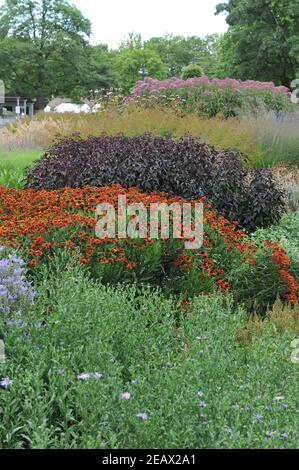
column 186, row 168
column 132, row 360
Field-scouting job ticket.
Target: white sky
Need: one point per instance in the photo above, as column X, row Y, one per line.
column 112, row 20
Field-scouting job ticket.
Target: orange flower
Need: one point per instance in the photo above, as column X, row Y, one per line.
column 131, row 265
column 28, row 218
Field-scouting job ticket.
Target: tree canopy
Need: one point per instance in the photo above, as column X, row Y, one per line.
column 45, row 50
column 134, row 61
column 263, row 40
column 178, row 52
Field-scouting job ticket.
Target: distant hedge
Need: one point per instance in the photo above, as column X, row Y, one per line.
column 184, row 167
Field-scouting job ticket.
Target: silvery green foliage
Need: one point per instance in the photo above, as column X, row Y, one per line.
column 15, row 291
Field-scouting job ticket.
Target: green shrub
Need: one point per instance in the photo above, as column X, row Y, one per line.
column 192, row 70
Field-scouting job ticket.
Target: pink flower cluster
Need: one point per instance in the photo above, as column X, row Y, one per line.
column 151, row 86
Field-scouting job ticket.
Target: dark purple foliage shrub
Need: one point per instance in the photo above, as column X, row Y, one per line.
column 186, row 167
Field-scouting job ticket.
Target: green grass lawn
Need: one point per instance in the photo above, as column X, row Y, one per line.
column 13, row 164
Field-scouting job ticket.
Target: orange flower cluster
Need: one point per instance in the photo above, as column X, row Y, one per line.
column 42, row 222
column 289, row 282
column 184, row 263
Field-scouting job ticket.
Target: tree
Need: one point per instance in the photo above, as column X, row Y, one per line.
column 263, row 41
column 44, row 50
column 134, row 62
column 178, row 52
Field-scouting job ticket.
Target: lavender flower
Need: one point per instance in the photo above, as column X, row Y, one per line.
column 142, row 416
column 16, row 293
column 97, row 375
column 259, row 417
column 83, row 377
column 6, row 383
column 202, row 404
column 125, row 396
